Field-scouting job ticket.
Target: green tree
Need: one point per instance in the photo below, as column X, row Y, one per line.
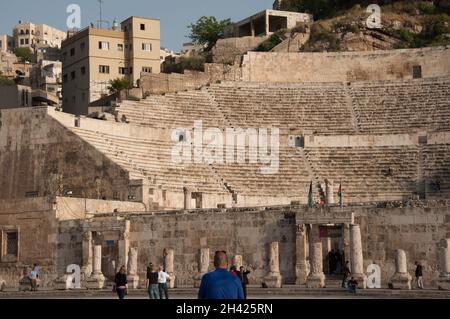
column 118, row 85
column 207, row 30
column 25, row 54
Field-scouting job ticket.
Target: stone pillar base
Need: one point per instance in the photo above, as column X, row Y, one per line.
column 301, row 271
column 95, row 282
column 133, row 281
column 315, row 281
column 444, row 283
column 401, row 281
column 273, row 280
column 171, row 282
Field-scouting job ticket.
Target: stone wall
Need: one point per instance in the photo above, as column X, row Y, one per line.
column 40, row 157
column 249, row 232
column 344, row 66
column 190, row 80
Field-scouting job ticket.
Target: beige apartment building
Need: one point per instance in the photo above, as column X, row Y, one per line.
column 33, row 36
column 93, row 57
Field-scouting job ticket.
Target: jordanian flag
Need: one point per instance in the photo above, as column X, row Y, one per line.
column 340, row 194
column 310, row 196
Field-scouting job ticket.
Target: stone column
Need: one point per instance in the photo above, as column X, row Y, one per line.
column 237, row 261
column 316, row 277
column 168, row 265
column 203, row 266
column 124, row 246
column 330, row 191
column 273, row 278
column 187, row 198
column 301, row 265
column 401, row 278
column 133, row 277
column 96, row 280
column 86, row 268
column 444, row 254
column 356, row 256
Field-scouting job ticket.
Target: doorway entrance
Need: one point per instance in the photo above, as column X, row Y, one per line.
column 332, row 238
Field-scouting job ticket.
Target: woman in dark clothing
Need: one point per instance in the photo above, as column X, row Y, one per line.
column 121, row 283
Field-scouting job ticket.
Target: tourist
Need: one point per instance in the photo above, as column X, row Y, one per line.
column 233, row 270
column 419, row 275
column 120, row 283
column 243, row 276
column 152, row 282
column 33, row 278
column 352, row 285
column 346, row 273
column 220, row 284
column 149, row 269
column 163, row 277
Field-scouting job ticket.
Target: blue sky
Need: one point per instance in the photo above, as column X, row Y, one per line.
column 175, row 15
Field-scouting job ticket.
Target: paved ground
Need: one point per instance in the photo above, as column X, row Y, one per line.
column 293, row 292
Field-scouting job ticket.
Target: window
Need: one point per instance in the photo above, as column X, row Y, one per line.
column 27, row 31
column 417, row 72
column 72, row 52
column 83, row 70
column 104, row 69
column 21, row 32
column 82, row 46
column 146, row 69
column 142, row 27
column 27, row 41
column 103, row 45
column 22, row 41
column 65, row 78
column 12, row 243
column 120, row 47
column 146, row 46
column 125, row 29
column 123, row 70
column 72, row 75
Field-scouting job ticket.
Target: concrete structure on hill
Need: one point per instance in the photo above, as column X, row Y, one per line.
column 266, row 23
column 93, row 57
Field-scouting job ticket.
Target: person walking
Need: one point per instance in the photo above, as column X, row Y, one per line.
column 120, row 283
column 346, row 271
column 243, row 276
column 220, row 284
column 163, row 277
column 419, row 275
column 152, row 282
